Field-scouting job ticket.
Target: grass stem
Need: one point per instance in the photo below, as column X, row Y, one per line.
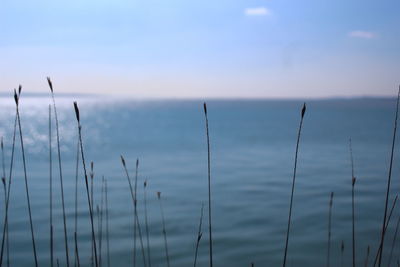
column 86, row 181
column 209, row 187
column 163, row 230
column 328, row 257
column 60, row 170
column 16, row 97
column 389, row 181
column 303, row 111
column 199, row 235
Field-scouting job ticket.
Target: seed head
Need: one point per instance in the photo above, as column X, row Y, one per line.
column 50, row 84
column 123, row 161
column 76, row 111
column 15, row 97
column 303, row 110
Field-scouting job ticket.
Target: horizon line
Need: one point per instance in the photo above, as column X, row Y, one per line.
column 194, row 98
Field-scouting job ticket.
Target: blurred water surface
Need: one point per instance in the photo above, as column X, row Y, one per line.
column 253, row 145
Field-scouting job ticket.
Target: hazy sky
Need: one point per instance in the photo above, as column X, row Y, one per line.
column 208, row 48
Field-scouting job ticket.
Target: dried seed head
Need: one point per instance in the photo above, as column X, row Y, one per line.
column 76, row 111
column 3, row 179
column 199, row 237
column 123, row 161
column 137, row 163
column 158, row 195
column 2, row 143
column 331, row 200
column 205, row 108
column 19, row 90
column 353, row 181
column 91, row 166
column 303, row 110
column 50, row 84
column 15, row 97
column 145, row 183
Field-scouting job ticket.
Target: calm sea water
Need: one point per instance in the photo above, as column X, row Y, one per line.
column 252, row 149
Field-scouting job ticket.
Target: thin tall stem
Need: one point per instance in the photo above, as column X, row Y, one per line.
column 367, row 257
column 293, row 183
column 101, row 221
column 394, row 241
column 60, row 171
column 5, row 200
column 26, row 180
column 107, row 227
column 209, row 187
column 86, row 181
column 135, row 211
column 77, row 261
column 134, row 201
column 328, row 258
column 341, row 253
column 353, row 182
column 5, row 225
column 386, row 226
column 146, row 222
column 91, row 198
column 98, row 231
column 389, row 180
column 199, row 235
column 164, row 231
column 51, row 194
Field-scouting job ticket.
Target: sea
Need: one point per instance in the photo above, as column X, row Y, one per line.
column 252, row 157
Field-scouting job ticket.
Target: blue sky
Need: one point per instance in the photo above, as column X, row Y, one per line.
column 174, row 48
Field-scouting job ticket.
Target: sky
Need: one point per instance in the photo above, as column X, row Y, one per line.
column 202, row 49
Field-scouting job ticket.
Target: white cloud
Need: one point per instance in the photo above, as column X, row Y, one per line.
column 257, row 11
column 362, row 34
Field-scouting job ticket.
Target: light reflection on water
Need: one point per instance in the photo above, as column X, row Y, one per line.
column 252, row 159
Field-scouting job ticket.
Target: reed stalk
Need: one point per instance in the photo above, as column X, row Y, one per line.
column 86, row 180
column 209, row 186
column 5, row 225
column 163, row 230
column 353, row 182
column 341, row 253
column 328, row 257
column 303, row 111
column 16, row 98
column 134, row 201
column 101, row 222
column 77, row 261
column 91, row 198
column 367, row 257
column 60, row 171
column 146, row 222
column 76, row 249
column 51, row 194
column 394, row 241
column 107, row 226
column 135, row 212
column 5, row 201
column 389, row 181
column 98, row 231
column 199, row 235
column 386, row 226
